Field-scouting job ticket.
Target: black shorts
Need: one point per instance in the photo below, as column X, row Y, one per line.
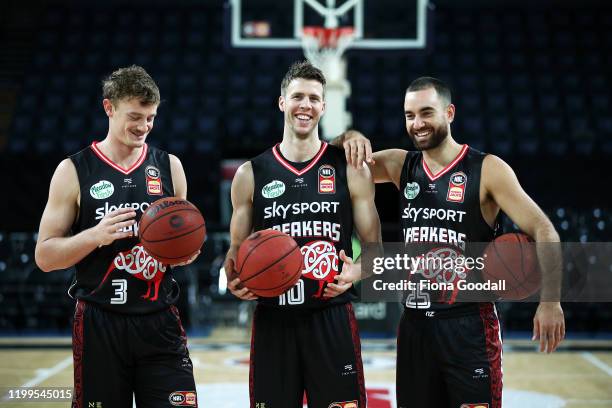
column 117, row 356
column 313, row 351
column 447, row 360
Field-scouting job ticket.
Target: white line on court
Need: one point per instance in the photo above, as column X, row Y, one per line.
column 589, row 401
column 45, row 373
column 590, row 357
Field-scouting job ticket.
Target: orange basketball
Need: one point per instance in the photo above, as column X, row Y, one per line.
column 269, row 263
column 513, row 258
column 172, row 230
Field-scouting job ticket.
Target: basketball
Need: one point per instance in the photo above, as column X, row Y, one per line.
column 172, row 230
column 269, row 262
column 513, row 258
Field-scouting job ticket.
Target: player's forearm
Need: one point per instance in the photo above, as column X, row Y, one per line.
column 63, row 252
column 373, row 237
column 550, row 258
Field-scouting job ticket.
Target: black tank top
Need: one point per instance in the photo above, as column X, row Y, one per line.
column 121, row 276
column 311, row 202
column 442, row 208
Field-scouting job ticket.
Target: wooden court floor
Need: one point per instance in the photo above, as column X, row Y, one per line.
column 573, row 379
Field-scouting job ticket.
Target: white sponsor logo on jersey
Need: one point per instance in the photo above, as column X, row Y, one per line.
column 102, row 211
column 414, row 214
column 315, row 207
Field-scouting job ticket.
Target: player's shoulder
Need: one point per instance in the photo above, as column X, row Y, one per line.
column 65, row 177
column 66, row 168
column 495, row 169
column 245, row 170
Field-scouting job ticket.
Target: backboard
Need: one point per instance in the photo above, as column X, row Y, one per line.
column 378, row 24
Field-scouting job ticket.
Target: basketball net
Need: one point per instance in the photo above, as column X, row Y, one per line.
column 324, row 47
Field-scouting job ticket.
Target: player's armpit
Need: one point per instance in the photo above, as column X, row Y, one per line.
column 241, row 224
column 179, row 181
column 387, row 167
column 365, row 215
column 502, row 185
column 58, row 216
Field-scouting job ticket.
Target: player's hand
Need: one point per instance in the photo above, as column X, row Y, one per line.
column 549, row 326
column 357, row 149
column 111, row 227
column 233, row 282
column 190, row 260
column 351, row 272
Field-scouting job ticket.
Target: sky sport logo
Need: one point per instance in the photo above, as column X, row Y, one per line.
column 273, row 189
column 102, row 189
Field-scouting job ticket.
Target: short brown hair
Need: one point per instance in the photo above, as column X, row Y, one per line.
column 304, row 70
column 131, row 82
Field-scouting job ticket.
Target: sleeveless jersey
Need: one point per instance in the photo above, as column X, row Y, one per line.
column 121, row 276
column 442, row 211
column 311, row 202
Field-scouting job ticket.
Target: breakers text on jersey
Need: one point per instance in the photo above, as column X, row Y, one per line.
column 433, row 234
column 305, row 229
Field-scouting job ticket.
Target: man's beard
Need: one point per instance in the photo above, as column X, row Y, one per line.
column 437, row 136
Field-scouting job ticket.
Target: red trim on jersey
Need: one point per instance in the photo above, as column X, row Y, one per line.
column 252, row 362
column 357, row 348
column 98, row 152
column 434, row 177
column 292, row 169
column 77, row 354
column 494, row 351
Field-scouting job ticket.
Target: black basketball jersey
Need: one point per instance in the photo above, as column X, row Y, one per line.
column 121, row 276
column 442, row 210
column 311, row 202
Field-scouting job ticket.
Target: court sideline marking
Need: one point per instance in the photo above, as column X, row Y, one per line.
column 44, row 373
column 590, row 357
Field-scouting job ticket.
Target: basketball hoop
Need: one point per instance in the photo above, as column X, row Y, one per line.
column 322, row 45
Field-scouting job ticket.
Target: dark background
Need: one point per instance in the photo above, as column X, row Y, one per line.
column 531, row 82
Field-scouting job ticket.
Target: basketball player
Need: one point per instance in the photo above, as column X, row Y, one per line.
column 449, row 354
column 127, row 336
column 307, row 338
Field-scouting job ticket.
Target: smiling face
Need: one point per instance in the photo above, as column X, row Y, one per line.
column 428, row 118
column 303, row 106
column 130, row 121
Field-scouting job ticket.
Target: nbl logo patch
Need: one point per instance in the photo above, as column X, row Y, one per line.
column 327, row 179
column 183, row 399
column 154, row 184
column 456, row 187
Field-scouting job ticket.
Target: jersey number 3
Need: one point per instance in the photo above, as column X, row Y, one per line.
column 120, row 291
